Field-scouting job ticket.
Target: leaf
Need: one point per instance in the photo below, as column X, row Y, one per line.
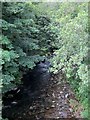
column 7, row 79
column 4, row 40
column 6, row 55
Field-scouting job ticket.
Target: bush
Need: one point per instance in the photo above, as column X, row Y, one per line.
column 73, row 52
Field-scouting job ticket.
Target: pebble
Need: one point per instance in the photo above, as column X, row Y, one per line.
column 53, row 95
column 53, row 106
column 31, row 108
column 61, row 92
column 67, row 95
column 53, row 101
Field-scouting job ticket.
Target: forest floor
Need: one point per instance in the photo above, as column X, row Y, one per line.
column 56, row 101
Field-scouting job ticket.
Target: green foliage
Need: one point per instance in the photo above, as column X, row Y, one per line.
column 24, row 39
column 72, row 54
column 30, row 30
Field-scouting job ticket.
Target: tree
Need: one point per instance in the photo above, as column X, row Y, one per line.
column 26, row 39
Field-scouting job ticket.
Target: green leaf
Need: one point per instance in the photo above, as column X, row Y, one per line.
column 4, row 40
column 6, row 55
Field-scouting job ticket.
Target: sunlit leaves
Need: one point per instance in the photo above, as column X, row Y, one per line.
column 4, row 40
column 7, row 56
column 74, row 40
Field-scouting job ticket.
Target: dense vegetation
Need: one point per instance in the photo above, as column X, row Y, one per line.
column 25, row 40
column 72, row 56
column 31, row 31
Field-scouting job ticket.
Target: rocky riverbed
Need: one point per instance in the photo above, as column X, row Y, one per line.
column 55, row 101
